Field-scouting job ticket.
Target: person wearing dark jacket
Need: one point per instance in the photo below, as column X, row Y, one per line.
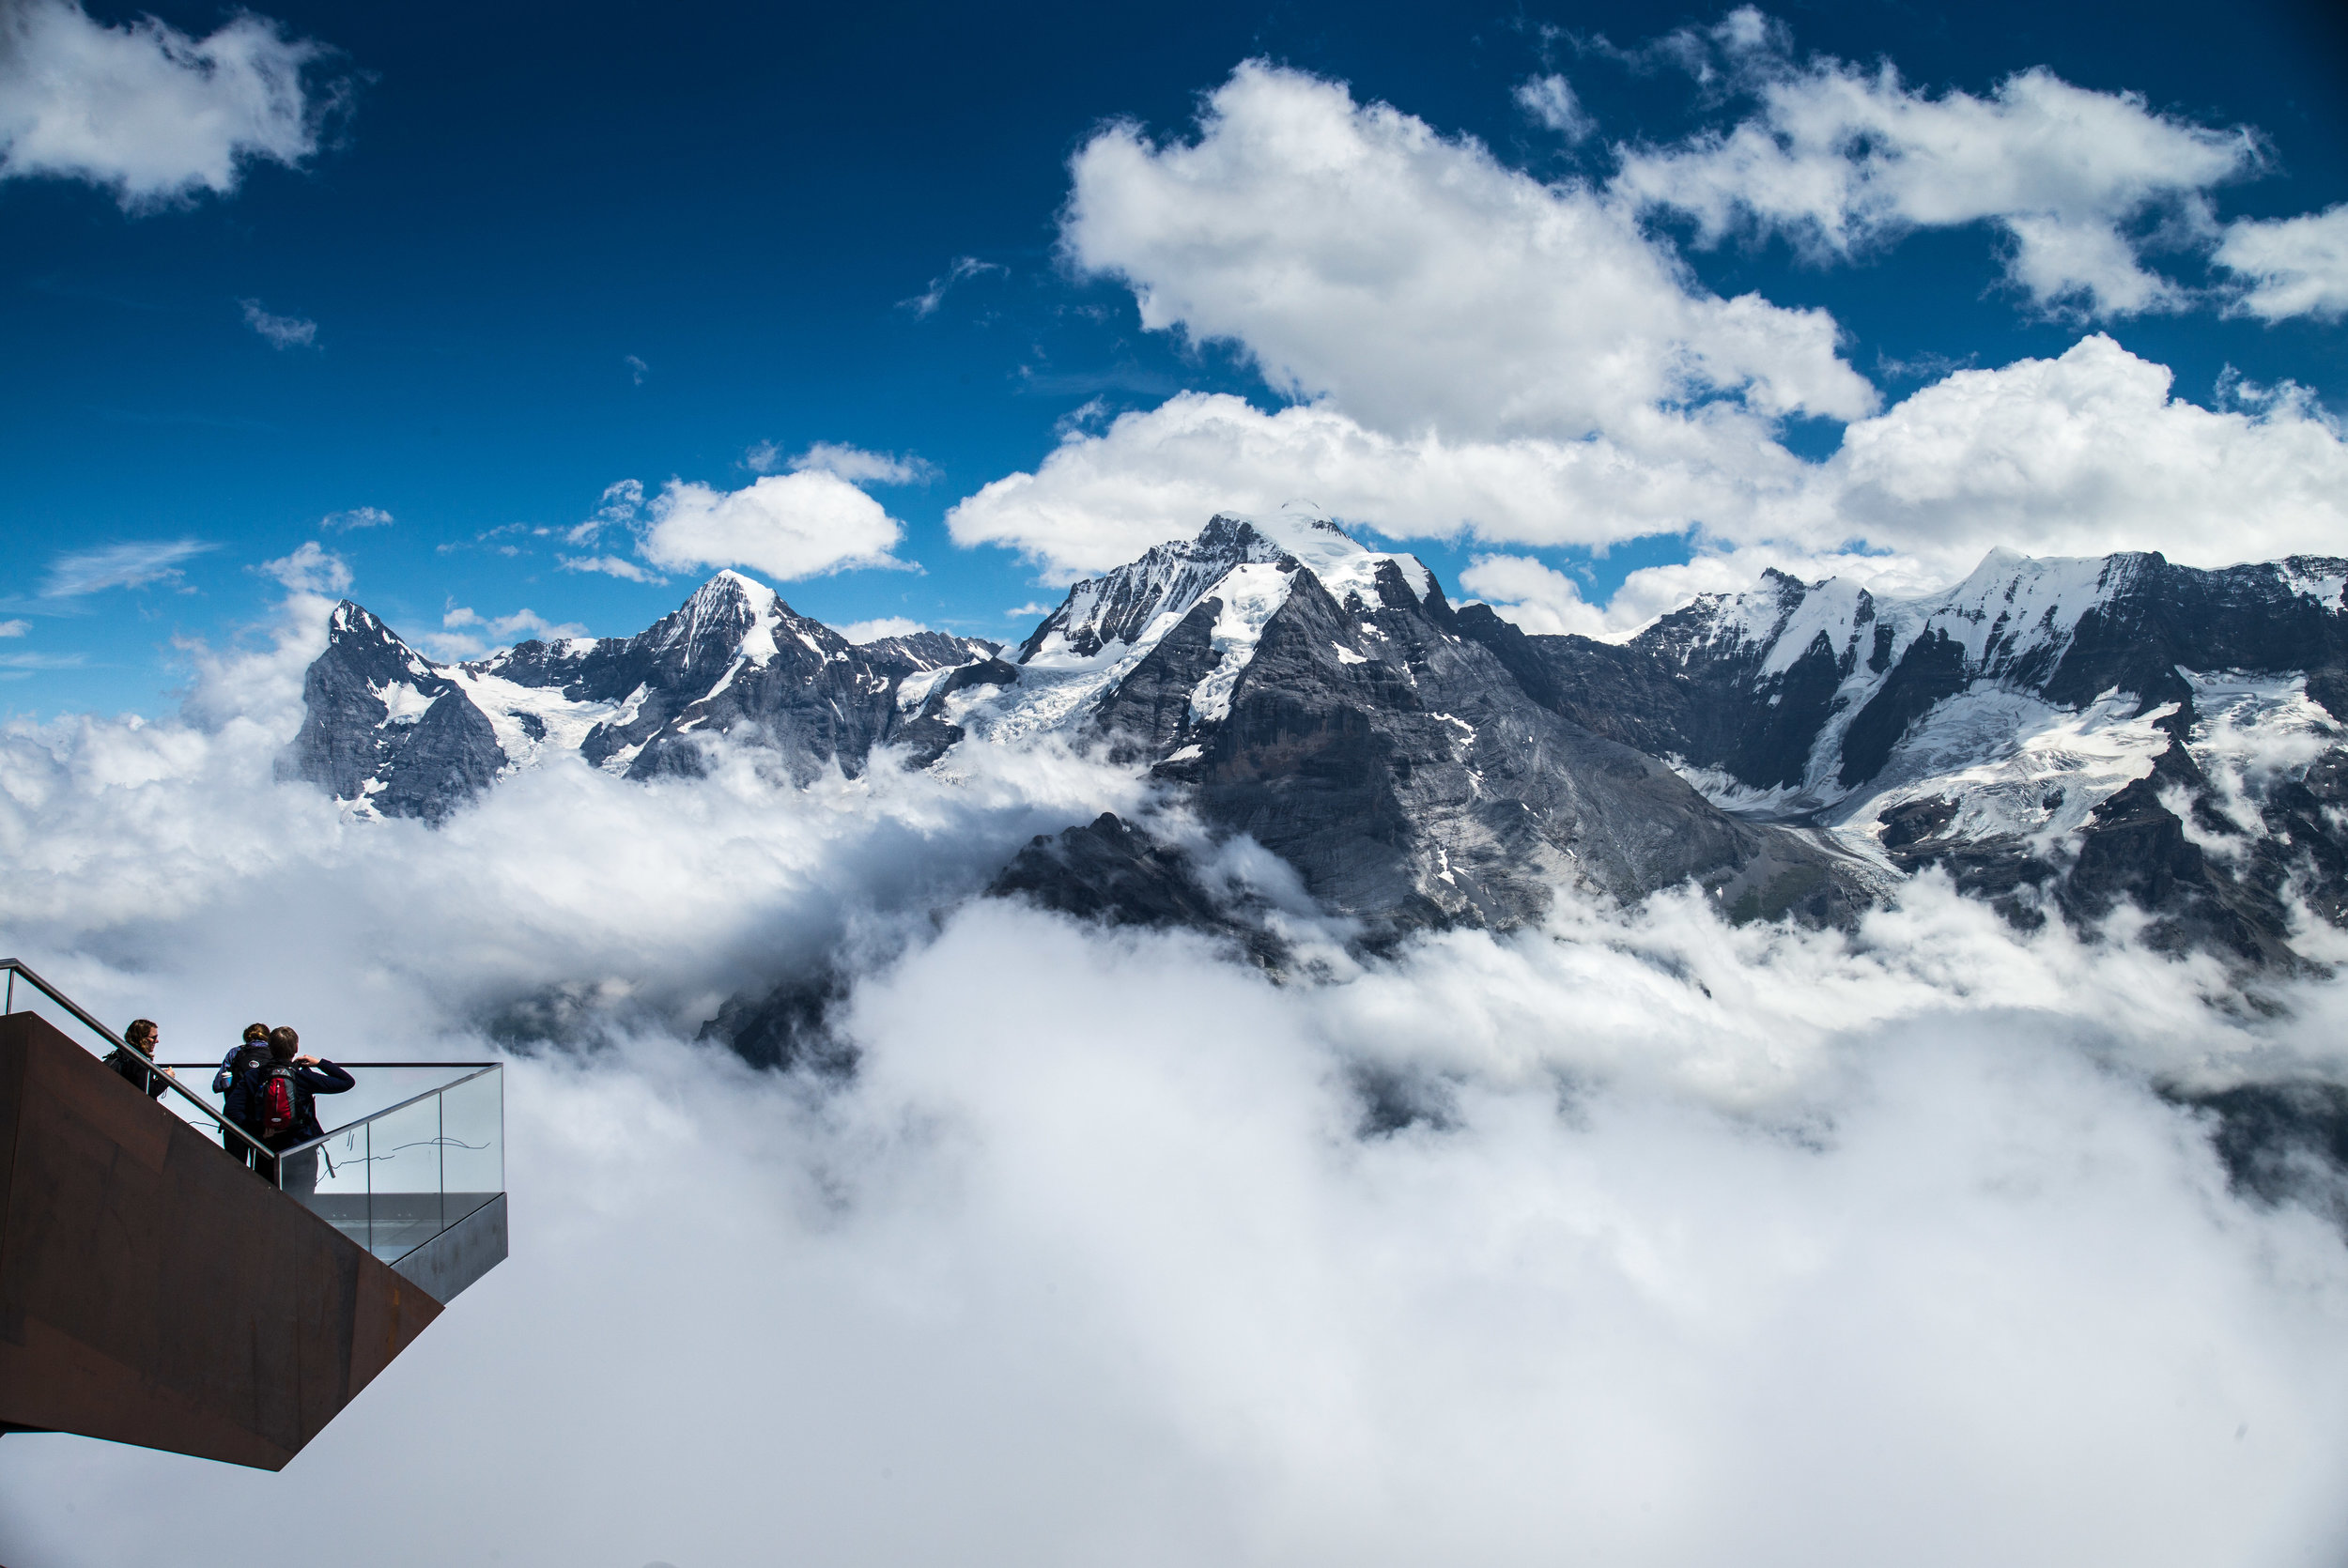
column 247, row 1053
column 134, row 1058
column 312, row 1076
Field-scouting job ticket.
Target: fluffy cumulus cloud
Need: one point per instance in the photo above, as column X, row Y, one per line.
column 782, row 526
column 310, row 569
column 1842, row 158
column 2291, row 266
column 1709, row 1245
column 2081, row 454
column 153, row 114
column 1418, row 284
column 887, row 625
column 1099, row 499
column 1539, row 598
column 1474, row 354
column 466, row 633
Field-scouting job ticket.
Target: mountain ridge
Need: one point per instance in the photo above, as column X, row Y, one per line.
column 2057, row 735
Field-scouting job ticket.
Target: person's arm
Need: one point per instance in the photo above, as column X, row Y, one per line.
column 225, row 1077
column 321, row 1076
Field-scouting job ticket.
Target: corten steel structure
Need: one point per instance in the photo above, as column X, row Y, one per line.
column 154, row 1290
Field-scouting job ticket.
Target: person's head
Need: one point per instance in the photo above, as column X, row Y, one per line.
column 257, row 1034
column 283, row 1043
column 142, row 1034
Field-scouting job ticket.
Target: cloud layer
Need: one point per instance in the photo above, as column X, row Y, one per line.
column 1707, row 1245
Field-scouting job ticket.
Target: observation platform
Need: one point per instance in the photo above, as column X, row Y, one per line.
column 167, row 1281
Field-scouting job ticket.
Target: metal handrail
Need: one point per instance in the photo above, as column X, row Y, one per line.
column 17, row 966
column 378, row 1116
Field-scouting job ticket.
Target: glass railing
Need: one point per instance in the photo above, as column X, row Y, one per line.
column 423, row 1151
column 394, row 1181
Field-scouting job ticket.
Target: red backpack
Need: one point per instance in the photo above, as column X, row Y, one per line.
column 279, row 1104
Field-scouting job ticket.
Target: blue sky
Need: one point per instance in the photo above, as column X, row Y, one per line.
column 491, row 262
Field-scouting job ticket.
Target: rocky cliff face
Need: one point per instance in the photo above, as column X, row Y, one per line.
column 1322, row 698
column 2058, row 736
column 397, row 735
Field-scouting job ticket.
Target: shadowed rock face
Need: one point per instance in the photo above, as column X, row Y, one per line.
column 1822, row 704
column 432, row 755
column 1408, row 778
column 406, row 737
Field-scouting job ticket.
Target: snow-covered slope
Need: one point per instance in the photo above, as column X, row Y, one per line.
column 397, row 734
column 1107, row 626
column 2013, row 728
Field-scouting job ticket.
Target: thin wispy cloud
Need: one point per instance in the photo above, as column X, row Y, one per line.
column 859, row 466
column 635, row 368
column 357, row 517
column 607, row 565
column 963, row 270
column 283, row 331
column 138, row 564
column 15, row 628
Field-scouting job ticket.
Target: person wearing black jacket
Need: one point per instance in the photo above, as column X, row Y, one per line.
column 312, row 1076
column 246, row 1055
column 134, row 1058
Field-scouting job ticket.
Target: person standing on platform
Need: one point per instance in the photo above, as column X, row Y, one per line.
column 243, row 1057
column 303, row 1079
column 134, row 1058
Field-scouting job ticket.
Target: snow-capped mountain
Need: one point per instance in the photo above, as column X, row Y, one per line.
column 395, row 735
column 2057, row 735
column 2093, row 729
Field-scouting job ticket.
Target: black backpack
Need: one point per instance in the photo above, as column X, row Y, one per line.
column 250, row 1055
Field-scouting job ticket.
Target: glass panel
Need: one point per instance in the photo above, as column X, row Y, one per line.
column 472, row 1143
column 331, row 1181
column 404, row 1178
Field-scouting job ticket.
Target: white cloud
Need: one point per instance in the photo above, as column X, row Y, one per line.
column 887, row 625
column 1418, row 284
column 309, row 570
column 783, row 526
column 1099, row 499
column 763, row 457
column 1841, row 159
column 467, row 634
column 1551, row 101
column 2078, row 455
column 859, row 466
column 357, row 517
column 607, row 565
column 635, row 368
column 1539, row 598
column 150, row 112
column 964, row 268
column 283, row 331
column 1858, row 1239
column 2293, row 266
column 15, row 628
column 131, row 565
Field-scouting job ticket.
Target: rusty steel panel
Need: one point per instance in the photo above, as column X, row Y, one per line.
column 155, row 1291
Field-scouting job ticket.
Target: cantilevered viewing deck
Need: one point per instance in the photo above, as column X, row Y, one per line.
column 156, row 1287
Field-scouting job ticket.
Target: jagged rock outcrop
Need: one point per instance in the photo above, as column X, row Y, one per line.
column 398, row 735
column 2055, row 734
column 1321, row 698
